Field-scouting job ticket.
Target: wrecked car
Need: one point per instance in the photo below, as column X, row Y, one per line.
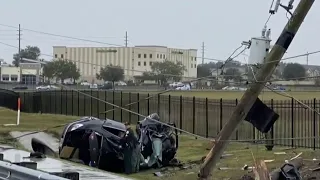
column 112, row 146
column 159, row 142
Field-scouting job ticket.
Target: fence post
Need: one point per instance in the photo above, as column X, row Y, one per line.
column 61, row 101
column 169, row 107
column 105, row 104
column 55, row 102
column 159, row 104
column 148, row 101
column 113, row 112
column 194, row 115
column 269, row 135
column 138, row 104
column 221, row 120
column 292, row 126
column 207, row 119
column 24, row 100
column 237, row 131
column 314, row 123
column 84, row 104
column 72, row 102
column 78, row 96
column 181, row 113
column 66, row 101
column 91, row 109
column 98, row 104
column 129, row 108
column 50, row 94
column 121, row 104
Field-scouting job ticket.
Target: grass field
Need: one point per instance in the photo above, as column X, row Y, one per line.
column 267, row 95
column 190, row 150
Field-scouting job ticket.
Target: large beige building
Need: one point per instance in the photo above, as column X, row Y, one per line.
column 134, row 60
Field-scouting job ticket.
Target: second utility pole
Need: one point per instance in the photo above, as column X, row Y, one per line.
column 250, row 96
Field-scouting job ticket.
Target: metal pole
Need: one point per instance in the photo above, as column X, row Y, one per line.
column 250, row 96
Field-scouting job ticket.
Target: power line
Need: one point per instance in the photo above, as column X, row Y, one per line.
column 93, row 41
column 173, row 75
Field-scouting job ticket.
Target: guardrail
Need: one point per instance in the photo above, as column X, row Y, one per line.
column 27, row 171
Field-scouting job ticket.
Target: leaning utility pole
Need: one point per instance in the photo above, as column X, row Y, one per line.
column 250, row 96
column 202, row 48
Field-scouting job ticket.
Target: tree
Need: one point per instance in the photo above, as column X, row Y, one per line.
column 111, row 73
column 49, row 70
column 317, row 82
column 294, row 71
column 203, row 70
column 74, row 72
column 30, row 52
column 232, row 74
column 161, row 70
column 62, row 69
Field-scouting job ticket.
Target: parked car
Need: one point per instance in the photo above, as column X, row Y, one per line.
column 93, row 86
column 176, row 84
column 20, row 88
column 106, row 86
column 48, row 87
column 185, row 87
column 85, row 84
column 120, row 83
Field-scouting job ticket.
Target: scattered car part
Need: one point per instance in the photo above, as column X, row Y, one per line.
column 39, row 146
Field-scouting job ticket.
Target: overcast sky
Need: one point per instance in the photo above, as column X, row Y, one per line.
column 222, row 25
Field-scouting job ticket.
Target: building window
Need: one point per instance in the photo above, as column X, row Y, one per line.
column 150, row 55
column 14, row 78
column 145, row 55
column 139, row 55
column 150, row 63
column 139, row 63
column 195, row 58
column 144, row 63
column 195, row 66
column 158, row 56
column 5, row 78
column 164, row 56
column 191, row 65
column 62, row 56
column 56, row 56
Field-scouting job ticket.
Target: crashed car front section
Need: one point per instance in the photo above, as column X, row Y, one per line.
column 94, row 142
column 159, row 142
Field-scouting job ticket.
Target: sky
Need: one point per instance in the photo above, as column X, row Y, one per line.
column 221, row 25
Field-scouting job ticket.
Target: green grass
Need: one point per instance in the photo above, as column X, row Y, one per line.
column 190, row 149
column 232, row 95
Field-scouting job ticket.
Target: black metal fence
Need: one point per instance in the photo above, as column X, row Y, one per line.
column 297, row 126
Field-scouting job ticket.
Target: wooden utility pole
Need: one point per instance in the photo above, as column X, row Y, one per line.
column 126, row 39
column 19, row 40
column 202, row 51
column 250, row 96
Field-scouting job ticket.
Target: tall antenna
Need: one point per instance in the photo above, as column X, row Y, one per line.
column 202, row 52
column 126, row 39
column 307, row 58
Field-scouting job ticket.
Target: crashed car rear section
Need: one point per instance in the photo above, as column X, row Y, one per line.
column 112, row 146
